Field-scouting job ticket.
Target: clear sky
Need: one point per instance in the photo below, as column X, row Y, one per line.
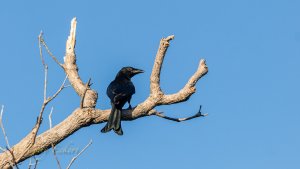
column 252, row 48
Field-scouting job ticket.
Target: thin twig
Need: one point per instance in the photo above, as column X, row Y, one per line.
column 49, row 99
column 87, row 86
column 198, row 114
column 50, row 118
column 48, row 50
column 40, row 117
column 2, row 127
column 35, row 130
column 74, row 158
column 44, row 65
column 52, row 145
column 5, row 136
column 33, row 164
column 40, row 48
column 45, row 81
column 36, row 162
column 56, row 158
column 30, row 164
column 59, row 90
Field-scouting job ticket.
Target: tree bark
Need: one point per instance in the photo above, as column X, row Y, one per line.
column 88, row 115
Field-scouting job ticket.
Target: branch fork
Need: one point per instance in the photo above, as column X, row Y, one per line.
column 87, row 114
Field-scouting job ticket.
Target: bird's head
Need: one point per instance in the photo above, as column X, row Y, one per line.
column 129, row 72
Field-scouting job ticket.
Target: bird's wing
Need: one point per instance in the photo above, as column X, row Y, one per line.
column 120, row 91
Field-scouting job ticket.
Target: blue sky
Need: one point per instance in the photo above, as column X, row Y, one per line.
column 252, row 48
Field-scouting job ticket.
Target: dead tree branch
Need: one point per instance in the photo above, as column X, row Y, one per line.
column 3, row 129
column 33, row 164
column 74, row 158
column 8, row 149
column 71, row 69
column 88, row 115
column 198, row 114
column 87, row 86
column 32, row 135
column 53, row 147
column 42, row 41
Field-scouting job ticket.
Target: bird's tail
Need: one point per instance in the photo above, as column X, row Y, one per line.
column 114, row 121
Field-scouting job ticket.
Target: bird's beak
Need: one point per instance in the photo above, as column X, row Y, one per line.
column 137, row 71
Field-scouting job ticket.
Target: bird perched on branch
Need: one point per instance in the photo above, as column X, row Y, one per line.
column 120, row 91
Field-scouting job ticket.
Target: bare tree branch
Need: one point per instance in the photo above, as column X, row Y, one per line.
column 32, row 136
column 189, row 88
column 45, row 81
column 30, row 164
column 44, row 65
column 58, row 91
column 74, row 158
column 50, row 118
column 53, row 147
column 42, row 41
column 160, row 55
column 12, row 162
column 198, row 114
column 2, row 127
column 88, row 115
column 33, row 164
column 55, row 156
column 87, row 86
column 40, row 48
column 71, row 69
column 36, row 163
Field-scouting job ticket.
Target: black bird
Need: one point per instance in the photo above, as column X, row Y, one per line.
column 120, row 91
